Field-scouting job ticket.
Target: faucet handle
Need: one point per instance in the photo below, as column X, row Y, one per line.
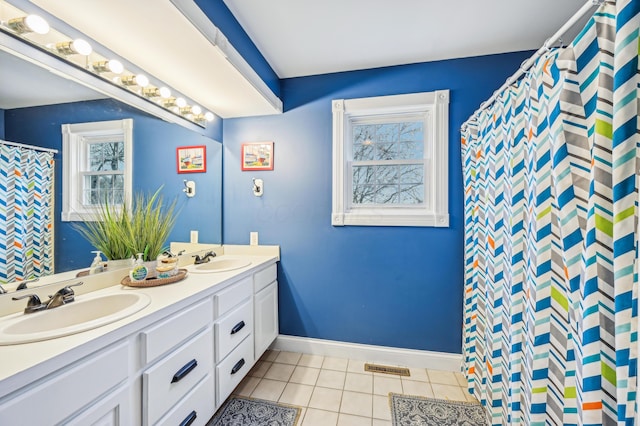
column 67, row 292
column 33, row 305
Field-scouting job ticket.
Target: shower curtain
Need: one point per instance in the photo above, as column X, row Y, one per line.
column 26, row 215
column 551, row 217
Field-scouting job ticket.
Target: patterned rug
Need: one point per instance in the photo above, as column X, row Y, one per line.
column 409, row 410
column 254, row 412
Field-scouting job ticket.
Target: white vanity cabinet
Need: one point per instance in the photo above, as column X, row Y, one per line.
column 68, row 390
column 174, row 369
column 234, row 336
column 180, row 370
column 265, row 308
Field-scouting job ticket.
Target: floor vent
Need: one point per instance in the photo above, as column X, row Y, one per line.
column 375, row 368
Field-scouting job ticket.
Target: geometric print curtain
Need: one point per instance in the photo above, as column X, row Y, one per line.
column 26, row 213
column 551, row 234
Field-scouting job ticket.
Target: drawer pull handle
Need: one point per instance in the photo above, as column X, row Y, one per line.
column 239, row 326
column 184, row 371
column 189, row 419
column 238, row 366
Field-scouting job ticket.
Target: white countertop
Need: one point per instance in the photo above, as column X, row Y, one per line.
column 23, row 363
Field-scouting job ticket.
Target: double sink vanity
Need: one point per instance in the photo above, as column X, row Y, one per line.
column 159, row 355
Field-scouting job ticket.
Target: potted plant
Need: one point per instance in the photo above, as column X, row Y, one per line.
column 120, row 232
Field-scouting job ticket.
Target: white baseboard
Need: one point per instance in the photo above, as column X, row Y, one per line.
column 376, row 354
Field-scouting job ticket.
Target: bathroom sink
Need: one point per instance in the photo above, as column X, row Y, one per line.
column 220, row 265
column 75, row 317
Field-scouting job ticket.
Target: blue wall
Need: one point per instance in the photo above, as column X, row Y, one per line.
column 1, row 124
column 154, row 155
column 390, row 286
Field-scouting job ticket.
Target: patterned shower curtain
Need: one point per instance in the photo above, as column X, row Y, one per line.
column 551, row 218
column 26, row 215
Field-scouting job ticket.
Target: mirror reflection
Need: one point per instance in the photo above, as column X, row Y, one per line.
column 35, row 104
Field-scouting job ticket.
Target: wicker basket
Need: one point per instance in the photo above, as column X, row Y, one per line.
column 154, row 282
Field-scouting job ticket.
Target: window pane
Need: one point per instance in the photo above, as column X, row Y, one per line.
column 410, row 151
column 106, row 156
column 411, row 174
column 388, row 132
column 363, row 146
column 103, row 188
column 397, row 184
column 387, row 194
column 411, row 194
column 412, row 131
column 386, row 151
column 386, row 174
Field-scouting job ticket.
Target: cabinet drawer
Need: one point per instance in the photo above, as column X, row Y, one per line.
column 65, row 393
column 233, row 328
column 233, row 369
column 233, row 295
column 169, row 333
column 196, row 408
column 263, row 278
column 173, row 377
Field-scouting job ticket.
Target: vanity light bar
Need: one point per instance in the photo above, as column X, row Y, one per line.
column 36, row 31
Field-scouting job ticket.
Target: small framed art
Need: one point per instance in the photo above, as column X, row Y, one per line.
column 257, row 156
column 192, row 159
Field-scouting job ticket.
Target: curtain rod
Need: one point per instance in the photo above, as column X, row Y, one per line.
column 36, row 148
column 524, row 67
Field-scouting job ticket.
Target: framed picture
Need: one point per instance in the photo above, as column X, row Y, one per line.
column 257, row 156
column 192, row 159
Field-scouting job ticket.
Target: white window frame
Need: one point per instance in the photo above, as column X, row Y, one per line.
column 434, row 107
column 75, row 138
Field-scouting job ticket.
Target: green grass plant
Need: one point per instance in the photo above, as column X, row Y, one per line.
column 120, row 232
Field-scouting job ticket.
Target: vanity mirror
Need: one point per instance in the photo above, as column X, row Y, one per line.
column 37, row 98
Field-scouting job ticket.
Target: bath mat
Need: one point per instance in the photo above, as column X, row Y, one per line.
column 409, row 410
column 254, row 412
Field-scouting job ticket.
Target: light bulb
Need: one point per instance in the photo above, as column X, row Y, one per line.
column 181, row 103
column 142, row 80
column 77, row 46
column 28, row 24
column 196, row 110
column 209, row 116
column 135, row 80
column 81, row 47
column 165, row 93
column 113, row 66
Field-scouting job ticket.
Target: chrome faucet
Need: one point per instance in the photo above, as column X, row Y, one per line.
column 204, row 258
column 61, row 297
column 33, row 305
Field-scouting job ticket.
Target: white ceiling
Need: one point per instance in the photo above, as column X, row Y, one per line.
column 301, row 38
column 160, row 40
column 296, row 37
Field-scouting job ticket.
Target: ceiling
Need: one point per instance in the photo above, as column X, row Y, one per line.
column 301, row 38
column 163, row 43
column 296, row 37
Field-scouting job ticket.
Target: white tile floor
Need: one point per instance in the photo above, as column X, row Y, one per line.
column 338, row 392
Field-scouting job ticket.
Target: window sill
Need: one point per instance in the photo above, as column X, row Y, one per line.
column 382, row 219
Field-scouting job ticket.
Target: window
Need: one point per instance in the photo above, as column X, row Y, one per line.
column 97, row 166
column 390, row 157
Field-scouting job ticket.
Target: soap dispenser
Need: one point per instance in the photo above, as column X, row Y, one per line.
column 139, row 271
column 96, row 265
